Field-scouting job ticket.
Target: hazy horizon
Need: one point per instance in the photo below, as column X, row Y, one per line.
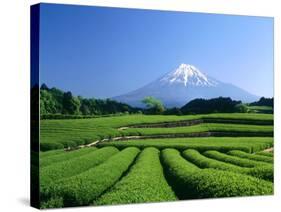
column 104, row 52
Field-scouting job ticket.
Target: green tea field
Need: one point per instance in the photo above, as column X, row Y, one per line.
column 152, row 158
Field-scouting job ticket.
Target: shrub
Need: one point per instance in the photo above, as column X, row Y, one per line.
column 218, row 129
column 193, row 183
column 69, row 144
column 45, row 146
column 144, row 183
column 264, row 172
column 222, row 144
column 204, row 162
column 66, row 155
column 52, row 203
column 68, row 168
column 51, row 153
column 242, row 154
column 210, row 183
column 175, row 167
column 268, row 154
column 232, row 159
column 84, row 188
column 241, row 108
column 172, row 111
column 87, row 141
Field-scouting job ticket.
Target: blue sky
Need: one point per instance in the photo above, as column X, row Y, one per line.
column 103, row 52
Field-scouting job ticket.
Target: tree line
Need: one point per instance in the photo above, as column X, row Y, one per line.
column 56, row 101
column 263, row 102
column 204, row 106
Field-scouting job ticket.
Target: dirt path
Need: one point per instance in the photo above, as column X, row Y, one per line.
column 110, row 139
column 182, row 123
column 269, row 150
column 123, row 128
column 177, row 135
column 165, row 124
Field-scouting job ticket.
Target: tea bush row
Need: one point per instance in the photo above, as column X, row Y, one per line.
column 264, row 172
column 144, row 183
column 221, row 128
column 222, row 144
column 74, row 166
column 232, row 159
column 190, row 182
column 47, row 154
column 84, row 188
column 255, row 157
column 58, row 134
column 268, row 154
column 66, row 155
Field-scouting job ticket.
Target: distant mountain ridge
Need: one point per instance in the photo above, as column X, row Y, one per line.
column 182, row 85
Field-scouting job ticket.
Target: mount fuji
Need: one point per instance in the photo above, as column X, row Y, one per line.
column 182, row 85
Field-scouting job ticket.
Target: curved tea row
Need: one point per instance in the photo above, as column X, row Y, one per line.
column 131, row 176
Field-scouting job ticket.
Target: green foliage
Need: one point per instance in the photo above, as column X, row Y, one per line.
column 81, row 131
column 144, row 183
column 222, row 144
column 263, row 102
column 50, row 100
column 268, row 154
column 55, row 103
column 51, row 153
column 155, row 106
column 192, row 183
column 68, row 116
column 107, row 176
column 66, row 155
column 232, row 159
column 214, row 183
column 70, row 104
column 218, row 128
column 46, row 146
column 204, row 162
column 84, row 188
column 265, row 172
column 52, row 203
column 47, row 103
column 260, row 109
column 175, row 168
column 172, row 111
column 215, row 105
column 241, row 108
column 242, row 154
column 73, row 166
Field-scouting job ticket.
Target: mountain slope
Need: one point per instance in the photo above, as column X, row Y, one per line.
column 182, row 85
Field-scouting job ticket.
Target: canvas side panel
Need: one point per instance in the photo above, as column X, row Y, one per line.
column 34, row 105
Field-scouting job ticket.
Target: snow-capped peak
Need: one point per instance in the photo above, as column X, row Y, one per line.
column 188, row 75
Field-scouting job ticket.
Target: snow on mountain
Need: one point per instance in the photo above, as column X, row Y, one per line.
column 188, row 74
column 182, row 85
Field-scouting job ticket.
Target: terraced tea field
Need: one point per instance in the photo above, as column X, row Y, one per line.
column 141, row 158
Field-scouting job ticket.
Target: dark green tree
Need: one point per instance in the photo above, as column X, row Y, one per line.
column 44, row 87
column 215, row 105
column 47, row 103
column 71, row 104
column 55, row 101
column 263, row 102
column 85, row 106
